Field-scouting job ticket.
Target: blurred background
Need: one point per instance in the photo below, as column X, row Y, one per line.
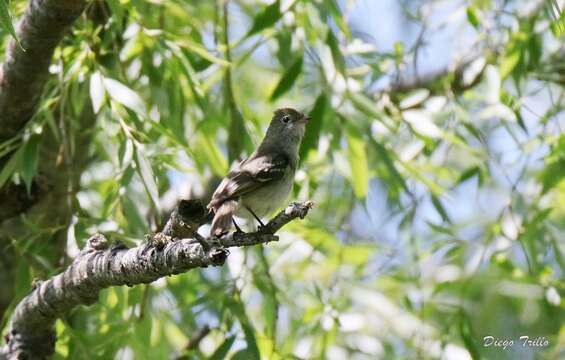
column 435, row 157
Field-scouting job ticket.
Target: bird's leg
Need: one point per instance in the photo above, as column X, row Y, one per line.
column 237, row 228
column 261, row 225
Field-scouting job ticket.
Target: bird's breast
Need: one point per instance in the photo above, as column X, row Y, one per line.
column 267, row 199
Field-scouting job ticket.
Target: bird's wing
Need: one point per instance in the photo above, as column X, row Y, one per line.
column 250, row 175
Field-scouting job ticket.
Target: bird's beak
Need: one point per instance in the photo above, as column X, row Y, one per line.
column 305, row 119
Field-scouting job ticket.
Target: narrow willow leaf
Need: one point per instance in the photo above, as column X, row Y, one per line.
column 146, row 173
column 468, row 174
column 125, row 96
column 473, row 17
column 384, row 155
column 337, row 55
column 267, row 18
column 358, row 162
column 432, row 186
column 29, row 158
column 421, row 122
column 97, row 92
column 337, row 15
column 314, row 126
column 6, row 21
column 238, row 138
column 203, row 52
column 238, row 309
column 365, row 105
column 509, row 63
column 440, row 209
column 288, row 79
column 222, row 350
column 10, row 167
column 469, row 338
column 208, row 153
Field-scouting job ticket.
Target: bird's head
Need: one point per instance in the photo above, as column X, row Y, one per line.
column 288, row 125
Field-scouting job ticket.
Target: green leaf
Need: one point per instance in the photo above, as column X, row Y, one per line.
column 509, row 63
column 252, row 348
column 208, row 153
column 267, row 18
column 125, row 96
column 365, row 105
column 358, row 162
column 288, row 79
column 389, row 163
column 148, row 178
column 558, row 16
column 10, row 167
column 6, row 21
column 553, row 174
column 202, row 51
column 440, row 209
column 469, row 173
column 238, row 309
column 238, row 138
column 337, row 16
column 29, row 158
column 222, row 350
column 431, row 185
column 245, row 354
column 473, row 17
column 314, row 126
column 468, row 337
column 337, row 55
column 398, row 51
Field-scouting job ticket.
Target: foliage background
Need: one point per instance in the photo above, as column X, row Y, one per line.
column 435, row 158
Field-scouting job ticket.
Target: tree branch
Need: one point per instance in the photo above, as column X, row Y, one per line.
column 430, row 80
column 99, row 266
column 24, row 73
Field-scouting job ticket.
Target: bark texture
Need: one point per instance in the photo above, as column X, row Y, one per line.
column 24, row 73
column 101, row 265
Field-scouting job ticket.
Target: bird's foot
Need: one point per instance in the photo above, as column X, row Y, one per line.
column 237, row 228
column 261, row 225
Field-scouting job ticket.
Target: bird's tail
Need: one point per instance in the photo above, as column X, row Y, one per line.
column 222, row 222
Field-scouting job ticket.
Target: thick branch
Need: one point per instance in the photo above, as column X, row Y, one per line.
column 23, row 74
column 100, row 265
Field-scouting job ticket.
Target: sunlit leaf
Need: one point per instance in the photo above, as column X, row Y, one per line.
column 125, row 96
column 422, row 123
column 97, row 91
column 6, row 20
column 357, row 156
column 473, row 17
column 509, row 62
column 202, row 51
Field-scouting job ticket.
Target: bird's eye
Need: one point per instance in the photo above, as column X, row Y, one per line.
column 285, row 119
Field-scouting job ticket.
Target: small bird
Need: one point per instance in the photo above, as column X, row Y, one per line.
column 260, row 184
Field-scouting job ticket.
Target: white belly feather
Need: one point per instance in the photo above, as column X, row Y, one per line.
column 266, row 200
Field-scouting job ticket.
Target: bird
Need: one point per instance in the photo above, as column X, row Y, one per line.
column 261, row 183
